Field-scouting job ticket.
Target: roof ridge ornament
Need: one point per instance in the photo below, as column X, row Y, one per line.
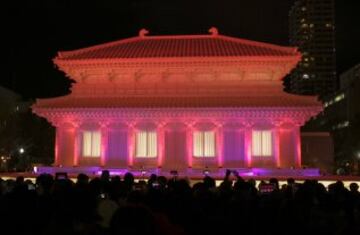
column 214, row 31
column 143, row 32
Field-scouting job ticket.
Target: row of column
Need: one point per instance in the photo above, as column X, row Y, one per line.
column 219, row 130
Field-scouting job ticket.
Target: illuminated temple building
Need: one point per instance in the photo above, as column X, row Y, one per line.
column 181, row 103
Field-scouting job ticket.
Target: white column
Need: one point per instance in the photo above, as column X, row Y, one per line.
column 104, row 143
column 57, row 144
column 131, row 144
column 161, row 143
column 189, row 143
column 220, row 144
column 247, row 144
column 297, row 147
column 276, row 143
column 77, row 142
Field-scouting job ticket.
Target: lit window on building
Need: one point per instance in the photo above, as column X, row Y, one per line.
column 339, row 97
column 304, row 25
column 261, row 143
column 204, row 144
column 306, row 76
column 303, row 8
column 328, row 25
column 91, row 143
column 146, row 144
column 311, row 25
column 341, row 125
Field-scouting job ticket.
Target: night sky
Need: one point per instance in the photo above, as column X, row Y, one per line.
column 33, row 31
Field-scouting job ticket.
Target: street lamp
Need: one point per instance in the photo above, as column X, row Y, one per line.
column 23, row 159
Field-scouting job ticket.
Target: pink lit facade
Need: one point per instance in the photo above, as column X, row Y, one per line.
column 184, row 103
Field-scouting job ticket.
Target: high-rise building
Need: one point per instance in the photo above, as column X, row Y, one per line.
column 341, row 116
column 312, row 30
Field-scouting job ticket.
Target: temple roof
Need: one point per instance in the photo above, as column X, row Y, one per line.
column 213, row 45
column 282, row 100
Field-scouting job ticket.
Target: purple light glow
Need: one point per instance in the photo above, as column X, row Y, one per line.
column 191, row 173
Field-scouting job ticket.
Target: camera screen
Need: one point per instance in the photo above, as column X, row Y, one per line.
column 61, row 175
column 266, row 188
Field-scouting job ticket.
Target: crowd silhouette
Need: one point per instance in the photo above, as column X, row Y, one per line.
column 119, row 205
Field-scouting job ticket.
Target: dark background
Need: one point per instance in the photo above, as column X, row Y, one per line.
column 33, row 31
